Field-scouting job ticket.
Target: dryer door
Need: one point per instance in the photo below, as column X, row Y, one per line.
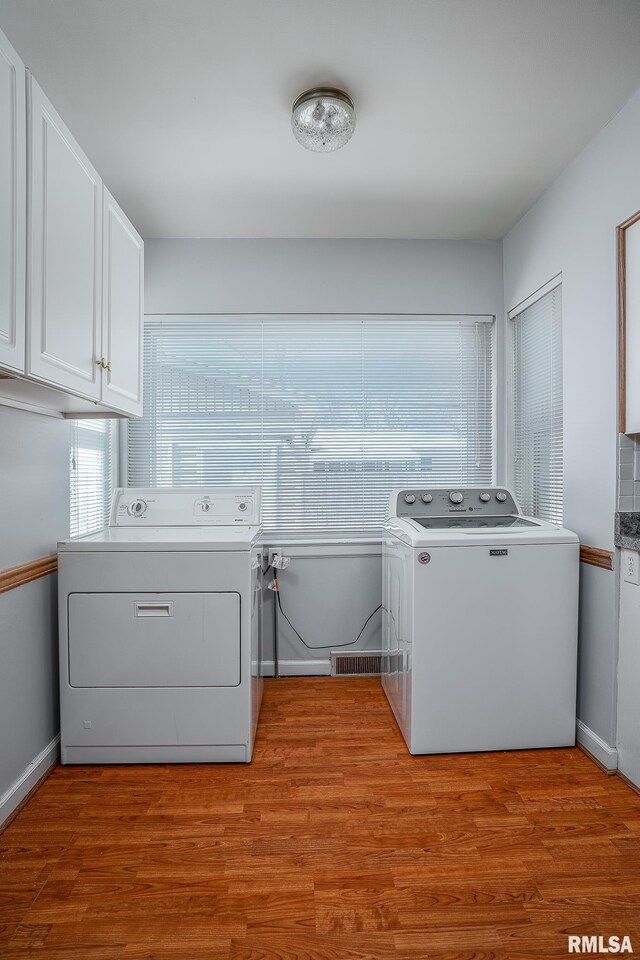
column 154, row 639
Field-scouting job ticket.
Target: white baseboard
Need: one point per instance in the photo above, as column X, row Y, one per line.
column 298, row 668
column 606, row 755
column 15, row 794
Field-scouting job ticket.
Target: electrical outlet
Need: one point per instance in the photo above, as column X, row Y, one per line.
column 631, row 567
column 274, row 551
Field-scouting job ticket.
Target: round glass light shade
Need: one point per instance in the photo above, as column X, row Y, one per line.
column 323, row 119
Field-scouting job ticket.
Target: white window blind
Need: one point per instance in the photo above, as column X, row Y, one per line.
column 537, row 422
column 328, row 415
column 91, row 474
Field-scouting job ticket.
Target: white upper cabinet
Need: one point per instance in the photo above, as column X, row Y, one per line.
column 13, row 207
column 629, row 323
column 65, row 256
column 71, row 267
column 122, row 310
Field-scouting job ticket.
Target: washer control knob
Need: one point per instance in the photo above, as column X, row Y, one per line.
column 136, row 508
column 456, row 497
column 409, row 498
column 485, row 497
column 427, row 498
column 501, row 497
column 242, row 506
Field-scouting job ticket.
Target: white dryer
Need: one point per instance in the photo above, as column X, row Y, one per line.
column 480, row 608
column 160, row 629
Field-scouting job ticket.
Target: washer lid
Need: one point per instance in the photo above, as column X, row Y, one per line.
column 480, row 531
column 469, row 524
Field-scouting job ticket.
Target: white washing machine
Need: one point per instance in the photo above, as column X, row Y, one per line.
column 160, row 629
column 480, row 620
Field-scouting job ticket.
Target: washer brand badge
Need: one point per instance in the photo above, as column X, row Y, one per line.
column 424, row 557
column 498, row 553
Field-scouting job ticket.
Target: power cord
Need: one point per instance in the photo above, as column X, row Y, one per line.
column 332, row 645
column 278, row 563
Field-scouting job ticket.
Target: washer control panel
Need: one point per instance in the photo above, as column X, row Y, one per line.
column 185, row 506
column 447, row 501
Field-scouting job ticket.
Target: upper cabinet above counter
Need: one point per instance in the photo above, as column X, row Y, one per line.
column 629, row 325
column 71, row 267
column 13, row 207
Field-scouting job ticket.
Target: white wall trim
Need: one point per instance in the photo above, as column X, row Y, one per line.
column 606, row 755
column 298, row 668
column 15, row 794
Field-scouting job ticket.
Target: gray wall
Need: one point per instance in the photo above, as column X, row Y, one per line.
column 34, row 515
column 571, row 229
column 322, row 276
column 326, row 276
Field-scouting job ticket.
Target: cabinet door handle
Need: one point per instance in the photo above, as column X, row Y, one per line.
column 146, row 608
column 100, row 362
column 107, row 366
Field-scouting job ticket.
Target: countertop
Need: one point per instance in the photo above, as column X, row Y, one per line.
column 627, row 530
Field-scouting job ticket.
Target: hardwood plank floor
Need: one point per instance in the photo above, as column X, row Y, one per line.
column 334, row 844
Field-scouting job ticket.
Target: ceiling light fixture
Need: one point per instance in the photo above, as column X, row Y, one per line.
column 323, row 119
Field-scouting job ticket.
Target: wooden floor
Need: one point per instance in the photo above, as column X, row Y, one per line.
column 334, row 843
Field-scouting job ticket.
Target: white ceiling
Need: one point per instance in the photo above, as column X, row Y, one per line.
column 467, row 109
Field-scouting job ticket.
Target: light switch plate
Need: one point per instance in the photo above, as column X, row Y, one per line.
column 631, row 566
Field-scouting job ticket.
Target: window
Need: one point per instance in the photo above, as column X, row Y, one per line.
column 327, row 414
column 91, row 464
column 537, row 421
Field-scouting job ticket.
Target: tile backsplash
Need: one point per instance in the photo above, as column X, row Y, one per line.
column 628, row 473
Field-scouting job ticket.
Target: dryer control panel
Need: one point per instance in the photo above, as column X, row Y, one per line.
column 185, row 506
column 452, row 501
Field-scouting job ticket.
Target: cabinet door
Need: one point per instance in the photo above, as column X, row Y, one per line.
column 629, row 319
column 122, row 308
column 13, row 207
column 65, row 255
